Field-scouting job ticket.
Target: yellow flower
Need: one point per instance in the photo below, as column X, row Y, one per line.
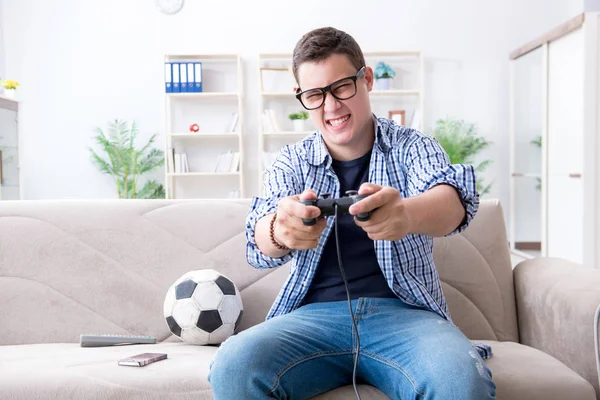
column 9, row 84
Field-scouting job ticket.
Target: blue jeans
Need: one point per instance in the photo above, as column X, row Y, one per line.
column 406, row 352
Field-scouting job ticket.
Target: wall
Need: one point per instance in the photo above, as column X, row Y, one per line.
column 86, row 62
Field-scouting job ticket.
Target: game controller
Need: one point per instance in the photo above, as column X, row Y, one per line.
column 327, row 206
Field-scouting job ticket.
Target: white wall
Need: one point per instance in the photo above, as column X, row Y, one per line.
column 84, row 62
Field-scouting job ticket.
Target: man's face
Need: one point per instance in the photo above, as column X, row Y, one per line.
column 343, row 123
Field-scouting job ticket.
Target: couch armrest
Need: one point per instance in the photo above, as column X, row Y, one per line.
column 557, row 304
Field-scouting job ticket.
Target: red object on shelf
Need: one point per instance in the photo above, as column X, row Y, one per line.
column 194, row 128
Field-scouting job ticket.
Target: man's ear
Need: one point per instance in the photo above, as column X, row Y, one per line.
column 369, row 78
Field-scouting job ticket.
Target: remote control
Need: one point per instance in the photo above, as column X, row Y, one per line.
column 327, row 206
column 111, row 340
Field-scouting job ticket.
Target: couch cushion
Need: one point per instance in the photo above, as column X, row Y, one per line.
column 78, row 266
column 522, row 372
column 70, row 371
column 476, row 274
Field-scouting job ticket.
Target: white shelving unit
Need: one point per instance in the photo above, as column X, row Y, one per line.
column 278, row 95
column 211, row 110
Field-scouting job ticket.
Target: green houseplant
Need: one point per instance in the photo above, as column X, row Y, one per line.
column 125, row 163
column 461, row 142
column 298, row 120
column 383, row 76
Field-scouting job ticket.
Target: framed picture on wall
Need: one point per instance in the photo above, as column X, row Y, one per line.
column 398, row 116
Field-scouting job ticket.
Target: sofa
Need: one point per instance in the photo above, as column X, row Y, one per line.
column 70, row 267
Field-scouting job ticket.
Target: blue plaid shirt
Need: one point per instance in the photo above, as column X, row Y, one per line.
column 402, row 158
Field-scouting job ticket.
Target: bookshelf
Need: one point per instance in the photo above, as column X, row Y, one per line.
column 207, row 162
column 276, row 84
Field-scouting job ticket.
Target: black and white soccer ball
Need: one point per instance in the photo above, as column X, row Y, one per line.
column 203, row 307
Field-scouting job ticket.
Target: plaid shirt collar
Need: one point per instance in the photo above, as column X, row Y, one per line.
column 317, row 154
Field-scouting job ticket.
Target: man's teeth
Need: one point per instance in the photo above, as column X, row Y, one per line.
column 339, row 121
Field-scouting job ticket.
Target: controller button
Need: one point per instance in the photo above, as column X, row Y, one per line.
column 351, row 193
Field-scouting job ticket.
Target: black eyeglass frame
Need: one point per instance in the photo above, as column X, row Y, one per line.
column 324, row 90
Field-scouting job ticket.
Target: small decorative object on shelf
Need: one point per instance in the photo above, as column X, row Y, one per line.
column 397, row 116
column 194, row 128
column 383, row 76
column 298, row 120
column 10, row 88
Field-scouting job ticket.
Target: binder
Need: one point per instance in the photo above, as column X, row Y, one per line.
column 197, row 76
column 190, row 76
column 176, row 85
column 168, row 78
column 183, row 79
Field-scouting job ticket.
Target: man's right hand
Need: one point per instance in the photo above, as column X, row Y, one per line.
column 289, row 228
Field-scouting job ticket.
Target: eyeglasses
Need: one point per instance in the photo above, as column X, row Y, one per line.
column 342, row 89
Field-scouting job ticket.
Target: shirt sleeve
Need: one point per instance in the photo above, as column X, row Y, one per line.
column 427, row 165
column 279, row 181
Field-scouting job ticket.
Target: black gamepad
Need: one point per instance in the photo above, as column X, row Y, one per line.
column 327, row 206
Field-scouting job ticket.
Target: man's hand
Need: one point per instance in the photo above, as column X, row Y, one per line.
column 389, row 217
column 289, row 228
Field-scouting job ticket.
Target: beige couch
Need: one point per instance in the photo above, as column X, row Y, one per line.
column 71, row 267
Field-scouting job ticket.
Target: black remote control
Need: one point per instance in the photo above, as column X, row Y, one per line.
column 327, row 206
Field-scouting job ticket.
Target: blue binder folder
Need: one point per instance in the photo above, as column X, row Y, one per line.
column 190, row 76
column 168, row 78
column 176, row 81
column 183, row 79
column 197, row 76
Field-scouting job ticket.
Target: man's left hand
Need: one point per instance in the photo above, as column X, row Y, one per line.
column 389, row 217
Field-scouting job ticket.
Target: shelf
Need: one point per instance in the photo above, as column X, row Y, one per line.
column 198, row 57
column 524, row 175
column 203, row 174
column 201, row 135
column 279, row 94
column 204, row 94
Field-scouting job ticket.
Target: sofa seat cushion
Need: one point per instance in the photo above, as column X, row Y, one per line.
column 60, row 371
column 522, row 372
column 68, row 371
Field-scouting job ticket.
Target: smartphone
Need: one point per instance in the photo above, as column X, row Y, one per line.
column 139, row 360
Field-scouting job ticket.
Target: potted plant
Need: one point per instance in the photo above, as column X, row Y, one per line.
column 10, row 87
column 383, row 76
column 126, row 163
column 298, row 120
column 461, row 142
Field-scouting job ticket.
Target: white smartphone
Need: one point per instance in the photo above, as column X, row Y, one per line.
column 139, row 360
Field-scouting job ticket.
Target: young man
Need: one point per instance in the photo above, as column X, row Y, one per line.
column 409, row 348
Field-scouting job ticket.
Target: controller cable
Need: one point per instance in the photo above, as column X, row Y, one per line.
column 354, row 327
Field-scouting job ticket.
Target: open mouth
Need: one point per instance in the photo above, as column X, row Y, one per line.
column 338, row 123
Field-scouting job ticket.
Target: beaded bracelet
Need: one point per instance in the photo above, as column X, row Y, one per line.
column 272, row 235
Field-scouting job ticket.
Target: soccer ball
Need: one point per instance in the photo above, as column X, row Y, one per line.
column 203, row 307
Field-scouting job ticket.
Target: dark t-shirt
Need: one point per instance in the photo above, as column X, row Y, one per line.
column 363, row 273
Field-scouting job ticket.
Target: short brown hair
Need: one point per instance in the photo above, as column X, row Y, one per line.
column 320, row 43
